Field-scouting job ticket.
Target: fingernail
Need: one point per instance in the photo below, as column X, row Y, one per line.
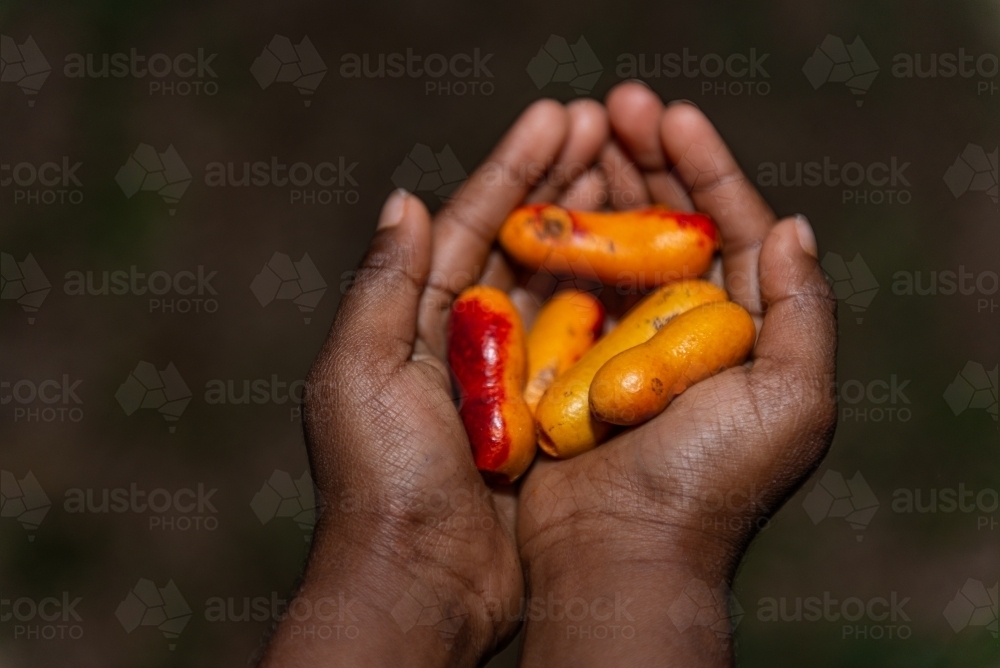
column 683, row 101
column 392, row 210
column 807, row 238
column 638, row 81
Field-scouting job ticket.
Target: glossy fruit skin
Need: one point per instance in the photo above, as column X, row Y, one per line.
column 488, row 358
column 566, row 427
column 565, row 328
column 643, row 247
column 639, row 383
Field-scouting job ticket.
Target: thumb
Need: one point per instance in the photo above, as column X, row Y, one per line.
column 377, row 320
column 796, row 351
column 800, row 324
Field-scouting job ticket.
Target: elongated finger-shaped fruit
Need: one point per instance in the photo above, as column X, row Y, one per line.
column 565, row 426
column 637, row 384
column 647, row 247
column 487, row 354
column 565, row 328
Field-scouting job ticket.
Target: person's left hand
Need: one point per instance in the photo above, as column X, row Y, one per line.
column 411, row 534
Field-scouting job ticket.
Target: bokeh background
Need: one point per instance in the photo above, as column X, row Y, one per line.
column 917, row 367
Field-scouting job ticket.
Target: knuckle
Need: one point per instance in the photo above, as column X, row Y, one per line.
column 471, row 223
column 384, row 263
column 801, row 399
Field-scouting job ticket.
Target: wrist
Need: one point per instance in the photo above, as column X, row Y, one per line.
column 361, row 603
column 607, row 610
column 614, row 593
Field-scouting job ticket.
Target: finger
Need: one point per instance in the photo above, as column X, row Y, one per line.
column 465, row 228
column 497, row 273
column 588, row 193
column 634, row 112
column 718, row 187
column 626, row 184
column 664, row 188
column 377, row 320
column 505, row 503
column 796, row 349
column 716, row 277
column 527, row 304
column 799, row 321
column 588, row 132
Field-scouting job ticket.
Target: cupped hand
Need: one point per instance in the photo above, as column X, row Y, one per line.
column 670, row 506
column 410, row 533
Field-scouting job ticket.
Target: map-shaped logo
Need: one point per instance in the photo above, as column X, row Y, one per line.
column 283, row 62
column 163, row 173
column 164, row 391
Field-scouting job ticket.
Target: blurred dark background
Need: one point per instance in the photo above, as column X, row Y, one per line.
column 121, row 391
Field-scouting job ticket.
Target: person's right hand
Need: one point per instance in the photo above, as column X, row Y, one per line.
column 625, row 529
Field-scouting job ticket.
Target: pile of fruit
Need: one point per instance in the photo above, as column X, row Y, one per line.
column 564, row 386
